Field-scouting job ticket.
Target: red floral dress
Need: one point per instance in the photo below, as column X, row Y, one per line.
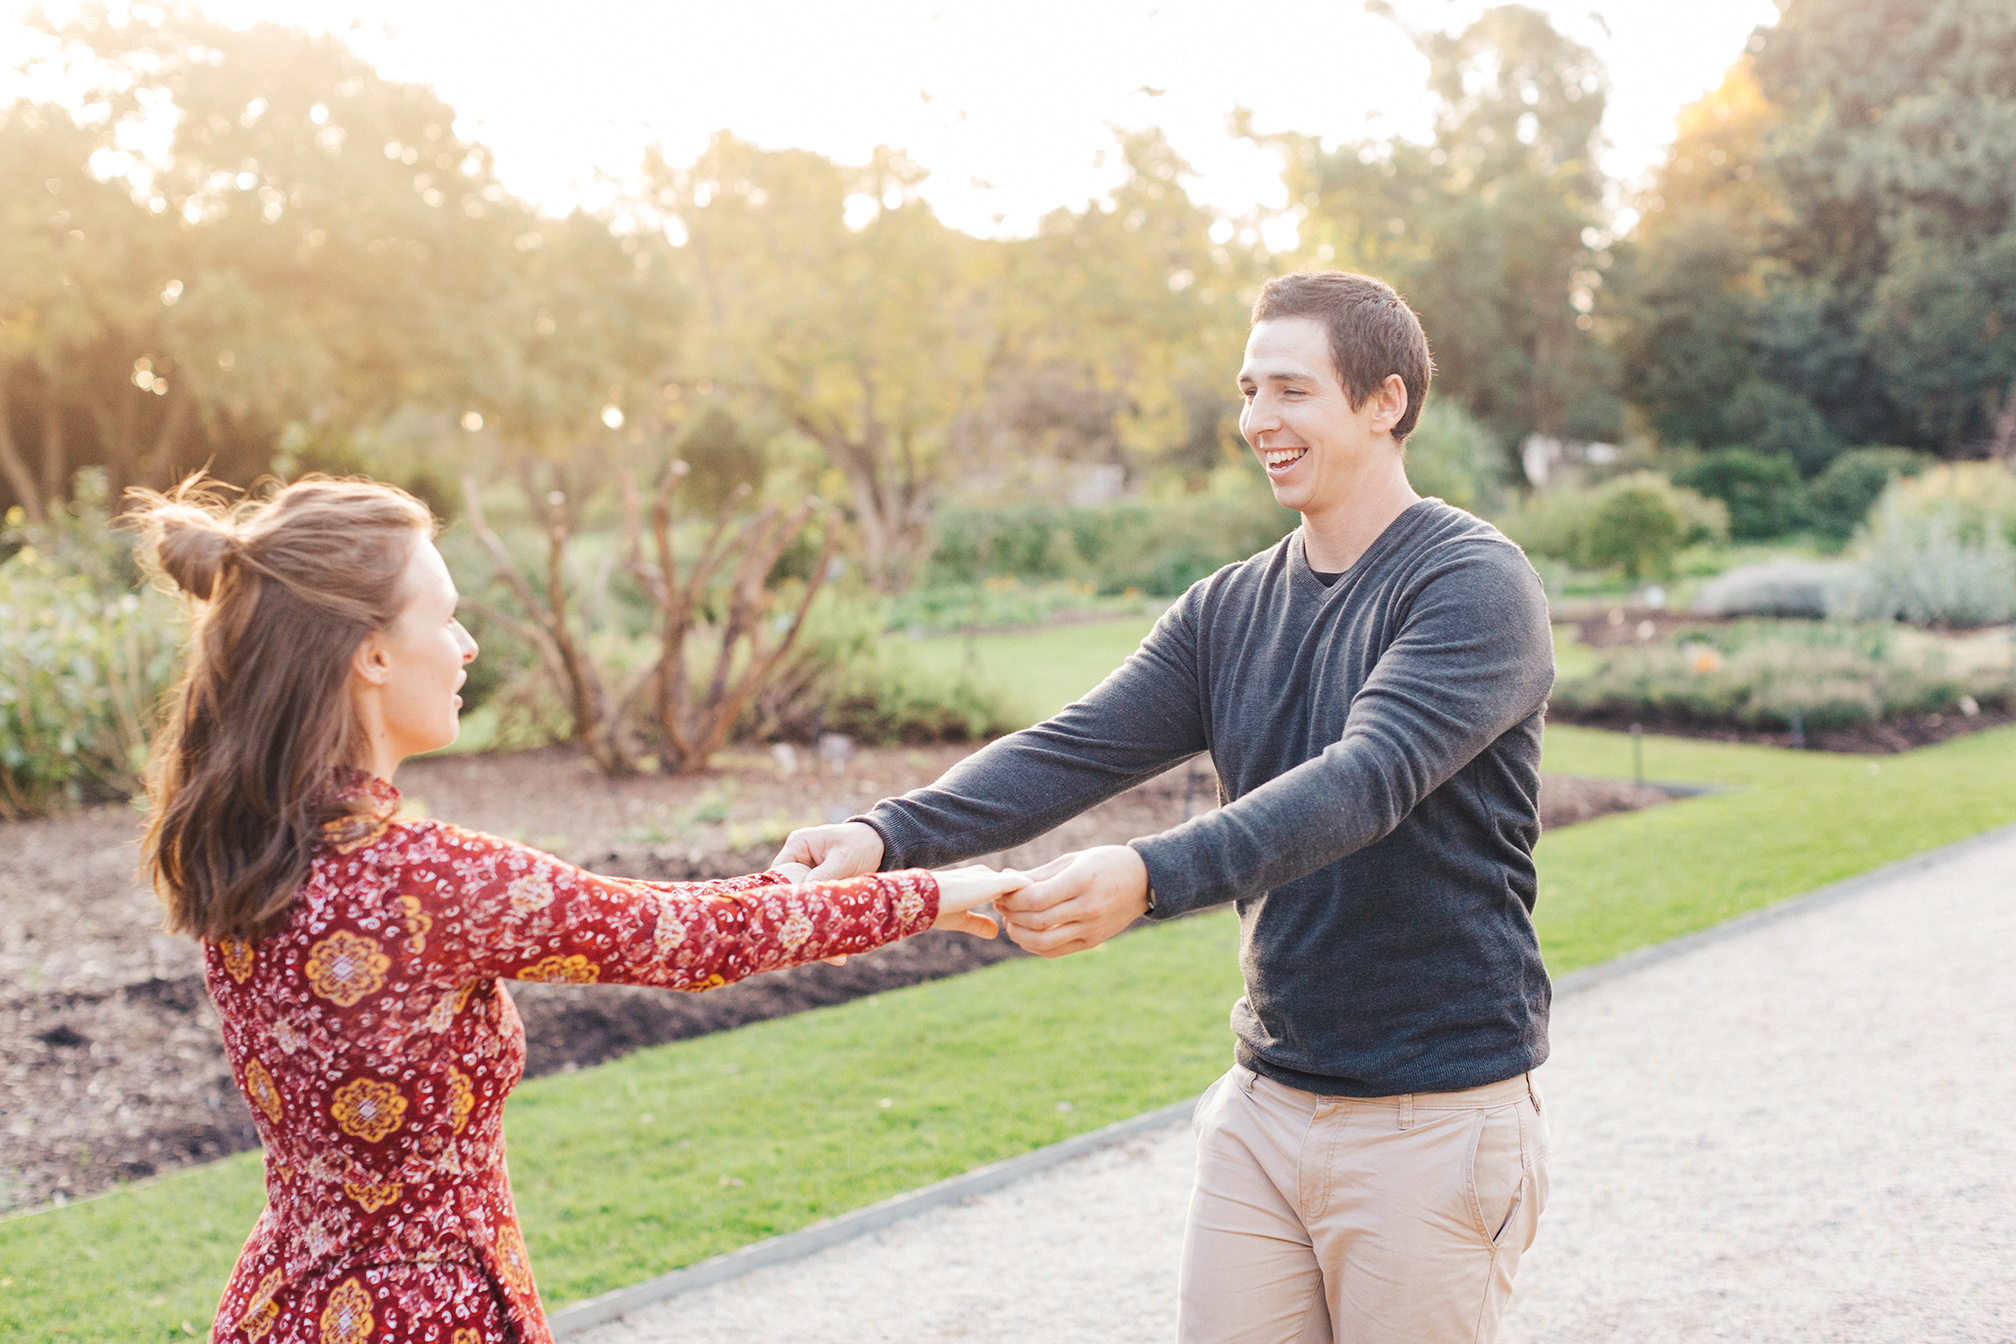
column 376, row 1043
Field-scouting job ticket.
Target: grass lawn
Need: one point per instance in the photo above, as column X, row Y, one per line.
column 630, row 1169
column 1037, row 672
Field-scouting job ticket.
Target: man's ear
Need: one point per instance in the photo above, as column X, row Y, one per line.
column 369, row 662
column 1390, row 404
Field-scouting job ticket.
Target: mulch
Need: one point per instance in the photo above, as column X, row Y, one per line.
column 111, row 1068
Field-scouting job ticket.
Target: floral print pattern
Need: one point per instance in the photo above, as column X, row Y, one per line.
column 376, row 1040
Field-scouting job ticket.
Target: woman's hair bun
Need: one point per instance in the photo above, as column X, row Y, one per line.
column 190, row 532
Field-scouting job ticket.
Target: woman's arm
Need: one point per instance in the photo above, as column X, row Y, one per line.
column 481, row 906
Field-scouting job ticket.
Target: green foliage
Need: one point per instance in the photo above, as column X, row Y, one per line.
column 1763, row 492
column 1158, row 548
column 83, row 660
column 722, row 460
column 1638, row 522
column 1761, row 674
column 1829, row 253
column 1940, row 550
column 1839, row 501
column 1495, row 232
column 618, row 1169
column 1005, row 601
column 1455, row 458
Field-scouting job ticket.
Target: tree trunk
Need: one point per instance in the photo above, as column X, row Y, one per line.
column 55, row 459
column 18, row 478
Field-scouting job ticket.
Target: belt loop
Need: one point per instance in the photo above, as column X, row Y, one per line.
column 1407, row 1111
column 1532, row 1095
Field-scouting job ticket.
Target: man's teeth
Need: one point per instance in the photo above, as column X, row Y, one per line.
column 1283, row 456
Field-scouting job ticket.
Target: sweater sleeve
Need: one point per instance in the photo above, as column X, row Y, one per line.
column 480, row 906
column 1145, row 717
column 1472, row 659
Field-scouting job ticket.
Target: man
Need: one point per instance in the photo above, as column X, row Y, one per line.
column 1370, row 690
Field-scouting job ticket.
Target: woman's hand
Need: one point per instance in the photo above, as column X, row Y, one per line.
column 961, row 889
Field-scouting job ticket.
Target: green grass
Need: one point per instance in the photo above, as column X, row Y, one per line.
column 975, row 1067
column 1037, row 673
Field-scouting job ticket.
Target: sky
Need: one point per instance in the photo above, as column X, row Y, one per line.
column 1012, row 108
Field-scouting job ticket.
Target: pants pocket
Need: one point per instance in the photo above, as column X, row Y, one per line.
column 1497, row 1172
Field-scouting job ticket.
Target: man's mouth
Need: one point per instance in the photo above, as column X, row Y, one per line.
column 1280, row 459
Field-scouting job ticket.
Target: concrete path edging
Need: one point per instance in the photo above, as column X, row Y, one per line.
column 807, row 1241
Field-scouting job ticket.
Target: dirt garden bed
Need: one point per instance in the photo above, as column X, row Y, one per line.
column 110, row 1064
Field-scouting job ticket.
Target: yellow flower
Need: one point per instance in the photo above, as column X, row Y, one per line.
column 237, row 955
column 347, row 1318
column 466, row 1335
column 559, row 970
column 259, row 1086
column 534, row 891
column 701, row 987
column 262, row 1310
column 374, row 1196
column 462, row 994
column 512, row 1261
column 368, row 1109
column 417, row 924
column 461, row 1098
column 344, row 967
column 795, row 931
column 352, row 833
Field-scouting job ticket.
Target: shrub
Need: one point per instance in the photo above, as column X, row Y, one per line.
column 1157, row 548
column 84, row 658
column 1840, row 499
column 1455, row 458
column 1935, row 556
column 1761, row 674
column 1764, row 493
column 1638, row 521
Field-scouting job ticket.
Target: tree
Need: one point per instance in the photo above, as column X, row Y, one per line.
column 1829, row 255
column 1494, row 232
column 872, row 340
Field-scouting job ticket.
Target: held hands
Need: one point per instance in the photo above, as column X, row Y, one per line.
column 1076, row 902
column 1068, row 905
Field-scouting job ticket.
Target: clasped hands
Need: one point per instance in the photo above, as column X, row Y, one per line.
column 1068, row 905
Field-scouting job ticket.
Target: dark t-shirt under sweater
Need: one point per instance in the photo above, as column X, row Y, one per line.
column 1377, row 743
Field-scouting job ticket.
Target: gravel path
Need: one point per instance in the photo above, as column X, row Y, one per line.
column 1803, row 1133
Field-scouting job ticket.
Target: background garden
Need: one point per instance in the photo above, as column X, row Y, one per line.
column 768, row 492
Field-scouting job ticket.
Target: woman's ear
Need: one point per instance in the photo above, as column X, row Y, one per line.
column 369, row 663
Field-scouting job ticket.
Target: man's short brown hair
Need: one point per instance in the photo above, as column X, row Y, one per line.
column 1373, row 333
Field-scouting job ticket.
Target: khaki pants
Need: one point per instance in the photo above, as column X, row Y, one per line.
column 1392, row 1220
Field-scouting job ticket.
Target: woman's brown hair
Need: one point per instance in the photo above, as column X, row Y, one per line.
column 283, row 592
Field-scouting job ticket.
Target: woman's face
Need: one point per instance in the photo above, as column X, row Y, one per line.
column 418, row 662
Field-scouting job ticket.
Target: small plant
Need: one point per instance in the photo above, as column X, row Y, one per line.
column 1775, row 675
column 1763, row 492
column 1839, row 500
column 1637, row 522
column 84, row 658
column 1940, row 550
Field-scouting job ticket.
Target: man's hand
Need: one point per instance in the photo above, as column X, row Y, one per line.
column 1077, row 902
column 833, row 852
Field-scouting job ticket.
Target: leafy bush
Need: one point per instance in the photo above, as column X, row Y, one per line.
column 846, row 677
column 84, row 658
column 1940, row 550
column 1156, row 548
column 1761, row 674
column 1455, row 458
column 1638, row 521
column 1840, row 499
column 1764, row 493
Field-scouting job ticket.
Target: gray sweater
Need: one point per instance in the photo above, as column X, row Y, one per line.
column 1377, row 744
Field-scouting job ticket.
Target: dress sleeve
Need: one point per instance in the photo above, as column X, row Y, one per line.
column 479, row 906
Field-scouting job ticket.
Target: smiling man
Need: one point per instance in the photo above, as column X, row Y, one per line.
column 1370, row 690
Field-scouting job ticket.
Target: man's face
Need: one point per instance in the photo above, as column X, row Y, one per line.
column 1299, row 420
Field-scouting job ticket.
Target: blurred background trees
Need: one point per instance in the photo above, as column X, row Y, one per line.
column 248, row 249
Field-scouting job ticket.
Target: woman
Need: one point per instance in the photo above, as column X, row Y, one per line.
column 356, row 960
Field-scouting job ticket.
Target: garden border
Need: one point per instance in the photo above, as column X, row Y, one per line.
column 791, row 1246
